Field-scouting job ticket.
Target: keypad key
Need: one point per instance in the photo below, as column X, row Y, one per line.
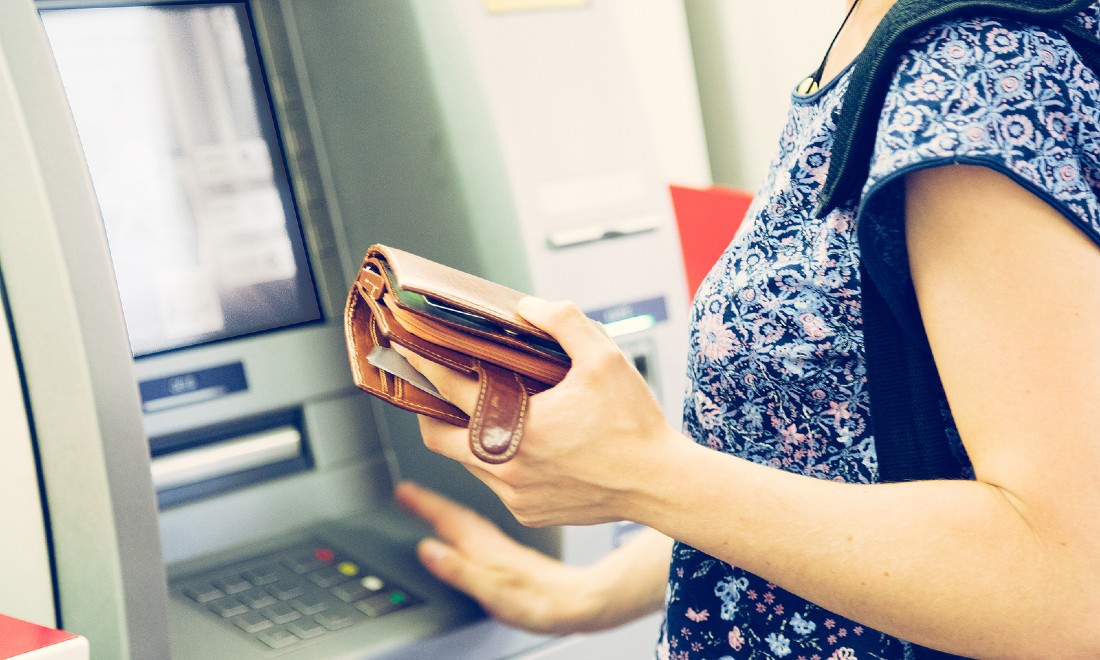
column 234, row 584
column 285, row 590
column 228, row 607
column 382, row 604
column 253, row 622
column 309, row 604
column 262, row 575
column 278, row 639
column 350, row 592
column 334, row 619
column 327, row 577
column 203, row 593
column 307, row 629
column 378, row 605
column 303, row 563
column 257, row 598
column 281, row 613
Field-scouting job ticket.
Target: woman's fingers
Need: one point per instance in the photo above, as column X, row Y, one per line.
column 447, row 440
column 437, row 510
column 445, row 563
column 452, row 522
column 581, row 337
column 453, row 442
column 514, row 583
column 465, row 538
column 458, row 388
column 457, row 527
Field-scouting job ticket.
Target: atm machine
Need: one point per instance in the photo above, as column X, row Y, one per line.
column 186, row 190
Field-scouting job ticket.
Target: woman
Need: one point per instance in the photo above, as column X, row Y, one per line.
column 785, row 544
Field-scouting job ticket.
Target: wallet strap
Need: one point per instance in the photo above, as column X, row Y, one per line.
column 498, row 422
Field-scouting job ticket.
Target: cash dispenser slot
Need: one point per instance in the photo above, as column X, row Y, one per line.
column 217, row 459
column 622, row 228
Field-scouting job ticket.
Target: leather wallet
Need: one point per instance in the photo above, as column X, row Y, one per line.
column 458, row 320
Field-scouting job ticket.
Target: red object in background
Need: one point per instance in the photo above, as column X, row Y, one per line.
column 19, row 638
column 708, row 218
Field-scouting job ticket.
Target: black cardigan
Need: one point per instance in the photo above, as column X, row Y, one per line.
column 903, row 383
column 904, row 386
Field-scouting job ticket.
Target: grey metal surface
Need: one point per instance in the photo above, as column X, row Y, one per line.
column 72, row 339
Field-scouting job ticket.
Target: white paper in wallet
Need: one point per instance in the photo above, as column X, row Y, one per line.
column 392, row 362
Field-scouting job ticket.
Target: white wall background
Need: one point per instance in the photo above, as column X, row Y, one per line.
column 749, row 55
column 655, row 36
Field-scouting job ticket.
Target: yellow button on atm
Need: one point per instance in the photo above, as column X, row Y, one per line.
column 347, row 568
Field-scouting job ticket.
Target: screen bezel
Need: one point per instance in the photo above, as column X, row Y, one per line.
column 272, row 134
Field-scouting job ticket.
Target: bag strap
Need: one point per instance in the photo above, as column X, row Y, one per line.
column 903, row 383
column 902, row 379
column 906, row 416
column 904, row 389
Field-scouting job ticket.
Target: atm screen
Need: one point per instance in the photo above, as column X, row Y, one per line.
column 177, row 127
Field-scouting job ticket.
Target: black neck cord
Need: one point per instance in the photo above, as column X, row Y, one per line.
column 813, row 83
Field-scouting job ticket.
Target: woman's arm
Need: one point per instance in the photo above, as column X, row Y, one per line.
column 1007, row 565
column 526, row 589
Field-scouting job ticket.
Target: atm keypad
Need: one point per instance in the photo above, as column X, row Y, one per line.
column 298, row 594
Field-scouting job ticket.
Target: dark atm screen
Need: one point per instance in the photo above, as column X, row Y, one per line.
column 176, row 123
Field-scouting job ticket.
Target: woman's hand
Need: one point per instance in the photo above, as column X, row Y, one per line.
column 515, row 584
column 525, row 588
column 592, row 443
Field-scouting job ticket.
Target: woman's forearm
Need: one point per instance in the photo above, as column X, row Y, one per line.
column 950, row 564
column 629, row 582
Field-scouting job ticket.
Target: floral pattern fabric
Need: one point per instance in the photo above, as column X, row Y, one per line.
column 776, row 362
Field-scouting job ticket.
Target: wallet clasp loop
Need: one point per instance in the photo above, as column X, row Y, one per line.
column 371, row 283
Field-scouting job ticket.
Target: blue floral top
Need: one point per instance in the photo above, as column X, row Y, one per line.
column 776, row 361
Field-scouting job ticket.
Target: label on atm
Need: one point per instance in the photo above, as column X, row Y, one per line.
column 190, row 387
column 630, row 317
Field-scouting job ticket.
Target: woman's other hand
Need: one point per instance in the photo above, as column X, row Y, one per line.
column 592, row 443
column 526, row 589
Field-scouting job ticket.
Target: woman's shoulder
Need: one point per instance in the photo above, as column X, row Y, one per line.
column 991, row 45
column 1008, row 92
column 969, row 83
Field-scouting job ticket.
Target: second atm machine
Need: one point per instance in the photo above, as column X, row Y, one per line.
column 243, row 155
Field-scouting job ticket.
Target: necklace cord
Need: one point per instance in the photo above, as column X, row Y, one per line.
column 815, row 80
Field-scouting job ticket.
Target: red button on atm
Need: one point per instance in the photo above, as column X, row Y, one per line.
column 324, row 554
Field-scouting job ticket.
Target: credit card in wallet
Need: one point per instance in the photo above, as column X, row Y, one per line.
column 392, row 362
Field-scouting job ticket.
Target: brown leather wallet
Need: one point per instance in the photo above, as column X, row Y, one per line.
column 458, row 320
